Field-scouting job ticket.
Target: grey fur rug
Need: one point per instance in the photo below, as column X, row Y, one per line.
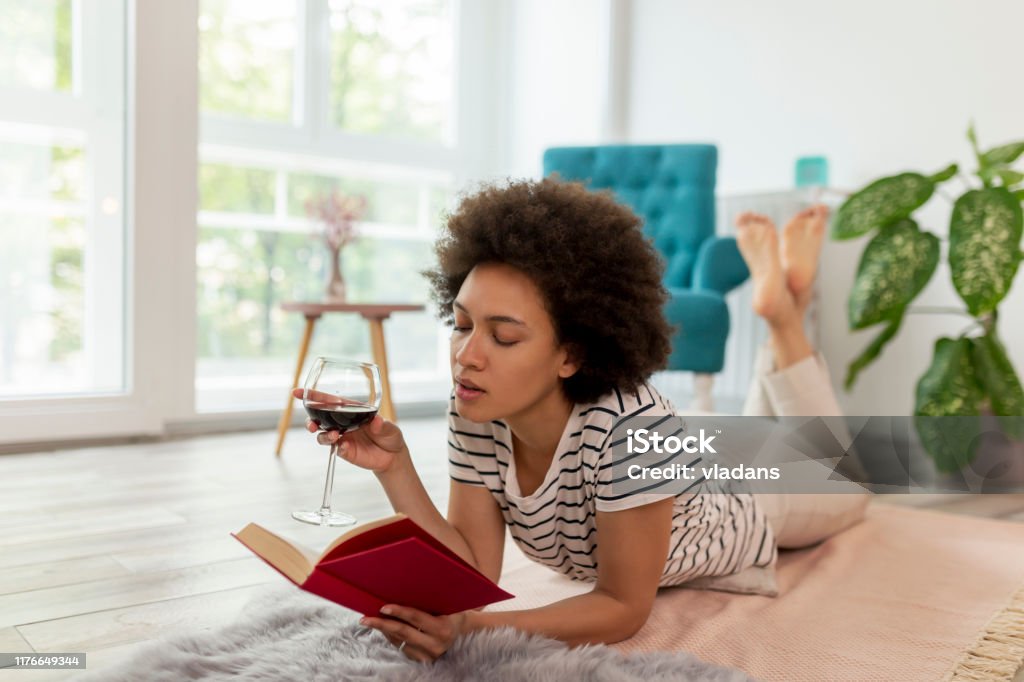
column 290, row 635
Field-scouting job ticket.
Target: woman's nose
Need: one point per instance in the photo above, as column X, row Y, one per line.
column 467, row 351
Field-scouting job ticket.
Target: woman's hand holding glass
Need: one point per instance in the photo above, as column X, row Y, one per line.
column 376, row 446
column 344, row 394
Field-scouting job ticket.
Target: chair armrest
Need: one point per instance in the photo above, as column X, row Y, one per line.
column 719, row 266
column 701, row 322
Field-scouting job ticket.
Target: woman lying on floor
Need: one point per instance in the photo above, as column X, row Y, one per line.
column 556, row 302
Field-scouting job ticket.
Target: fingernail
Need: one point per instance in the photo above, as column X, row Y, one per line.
column 364, row 621
column 386, row 610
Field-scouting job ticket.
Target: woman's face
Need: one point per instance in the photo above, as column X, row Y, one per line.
column 505, row 358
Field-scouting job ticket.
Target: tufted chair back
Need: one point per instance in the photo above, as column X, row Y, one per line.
column 672, row 187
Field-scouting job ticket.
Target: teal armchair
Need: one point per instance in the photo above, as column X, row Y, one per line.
column 672, row 187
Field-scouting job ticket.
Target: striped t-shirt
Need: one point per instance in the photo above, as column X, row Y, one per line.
column 713, row 534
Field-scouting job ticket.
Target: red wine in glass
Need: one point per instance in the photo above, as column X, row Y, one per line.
column 344, row 417
column 339, row 395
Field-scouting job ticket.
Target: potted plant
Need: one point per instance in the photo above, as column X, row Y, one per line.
column 970, row 376
column 338, row 212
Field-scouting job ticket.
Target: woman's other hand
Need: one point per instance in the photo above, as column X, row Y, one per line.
column 419, row 635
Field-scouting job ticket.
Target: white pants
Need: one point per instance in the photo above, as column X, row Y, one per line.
column 802, row 389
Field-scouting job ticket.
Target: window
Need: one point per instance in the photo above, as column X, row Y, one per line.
column 62, row 126
column 297, row 99
column 247, row 57
column 120, row 316
column 391, row 68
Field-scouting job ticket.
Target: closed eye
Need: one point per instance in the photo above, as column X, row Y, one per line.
column 493, row 336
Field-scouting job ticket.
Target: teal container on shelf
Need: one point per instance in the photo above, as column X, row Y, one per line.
column 812, row 171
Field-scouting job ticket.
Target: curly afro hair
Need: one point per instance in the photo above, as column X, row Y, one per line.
column 599, row 276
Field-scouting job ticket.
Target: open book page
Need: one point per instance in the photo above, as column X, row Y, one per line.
column 296, row 563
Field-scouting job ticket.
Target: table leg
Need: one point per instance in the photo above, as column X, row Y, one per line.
column 380, row 357
column 286, row 416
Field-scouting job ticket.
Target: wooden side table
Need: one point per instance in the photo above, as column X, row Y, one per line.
column 375, row 314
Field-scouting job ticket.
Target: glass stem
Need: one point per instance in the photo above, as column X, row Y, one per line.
column 325, row 506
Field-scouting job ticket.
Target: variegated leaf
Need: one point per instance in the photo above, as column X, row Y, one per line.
column 947, row 405
column 1002, row 386
column 984, row 238
column 1010, row 177
column 869, row 354
column 896, row 264
column 885, row 201
column 1003, row 155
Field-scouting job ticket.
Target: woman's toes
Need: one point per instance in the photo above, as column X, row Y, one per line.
column 758, row 244
column 801, row 244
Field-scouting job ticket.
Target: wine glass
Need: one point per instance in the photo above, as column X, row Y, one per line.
column 339, row 395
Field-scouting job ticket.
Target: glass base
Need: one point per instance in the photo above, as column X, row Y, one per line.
column 324, row 517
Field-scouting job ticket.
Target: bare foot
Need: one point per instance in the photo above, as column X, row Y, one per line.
column 759, row 244
column 801, row 244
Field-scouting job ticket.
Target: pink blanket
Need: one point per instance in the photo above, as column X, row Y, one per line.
column 905, row 595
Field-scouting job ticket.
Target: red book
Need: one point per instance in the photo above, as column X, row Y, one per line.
column 390, row 561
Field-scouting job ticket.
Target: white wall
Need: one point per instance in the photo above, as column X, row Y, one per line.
column 878, row 86
column 556, row 75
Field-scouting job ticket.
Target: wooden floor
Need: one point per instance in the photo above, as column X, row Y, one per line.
column 103, row 549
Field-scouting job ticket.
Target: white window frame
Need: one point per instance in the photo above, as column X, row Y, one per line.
column 86, row 113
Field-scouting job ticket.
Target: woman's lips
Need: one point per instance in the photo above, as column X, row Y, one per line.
column 463, row 392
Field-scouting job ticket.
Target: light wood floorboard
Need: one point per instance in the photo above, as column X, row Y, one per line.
column 105, row 548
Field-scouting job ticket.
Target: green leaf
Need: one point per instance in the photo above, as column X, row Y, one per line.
column 972, row 138
column 987, row 175
column 881, row 203
column 1009, row 177
column 984, row 234
column 944, row 174
column 1019, row 194
column 1003, row 155
column 872, row 351
column 999, row 380
column 949, row 388
column 896, row 264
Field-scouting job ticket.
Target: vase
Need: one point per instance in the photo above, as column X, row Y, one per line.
column 335, row 292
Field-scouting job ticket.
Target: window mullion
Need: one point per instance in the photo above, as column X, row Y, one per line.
column 77, row 41
column 280, row 196
column 300, row 65
column 315, row 52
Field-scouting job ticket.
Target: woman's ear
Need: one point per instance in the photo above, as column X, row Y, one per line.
column 572, row 362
